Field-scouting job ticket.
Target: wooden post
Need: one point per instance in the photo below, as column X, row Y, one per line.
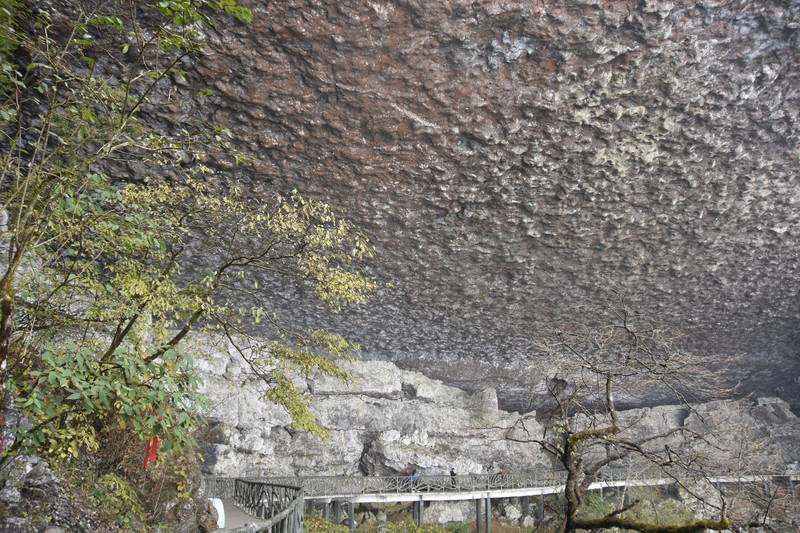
column 478, row 511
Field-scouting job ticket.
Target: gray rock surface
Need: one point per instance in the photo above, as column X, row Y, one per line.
column 513, row 160
column 388, row 421
column 393, row 419
column 16, row 525
column 517, row 162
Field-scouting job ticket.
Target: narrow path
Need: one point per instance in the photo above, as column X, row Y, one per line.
column 235, row 517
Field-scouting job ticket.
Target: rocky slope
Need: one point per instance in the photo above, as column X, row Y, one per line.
column 514, row 160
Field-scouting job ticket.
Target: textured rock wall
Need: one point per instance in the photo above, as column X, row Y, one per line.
column 389, row 421
column 393, row 419
column 514, row 160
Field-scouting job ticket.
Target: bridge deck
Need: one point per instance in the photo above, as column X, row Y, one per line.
column 518, row 492
column 235, row 517
column 395, row 489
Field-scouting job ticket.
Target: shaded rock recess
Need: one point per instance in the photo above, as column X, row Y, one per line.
column 513, row 161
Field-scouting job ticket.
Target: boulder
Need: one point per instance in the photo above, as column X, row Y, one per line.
column 16, row 524
column 509, row 512
column 444, row 512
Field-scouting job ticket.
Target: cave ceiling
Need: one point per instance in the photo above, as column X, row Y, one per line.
column 516, row 162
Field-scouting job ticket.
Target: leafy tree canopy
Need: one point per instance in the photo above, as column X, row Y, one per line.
column 97, row 300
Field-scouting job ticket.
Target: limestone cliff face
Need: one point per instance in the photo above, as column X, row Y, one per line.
column 393, row 419
column 513, row 160
column 388, row 421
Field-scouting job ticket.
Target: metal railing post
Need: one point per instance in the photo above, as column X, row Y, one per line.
column 337, row 512
column 488, row 514
column 351, row 519
column 539, row 510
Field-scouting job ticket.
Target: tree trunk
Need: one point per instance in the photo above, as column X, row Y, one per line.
column 6, row 328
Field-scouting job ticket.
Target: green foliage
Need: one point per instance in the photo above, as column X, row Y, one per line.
column 9, row 37
column 74, row 390
column 292, row 237
column 111, row 495
column 316, row 524
column 96, row 300
column 457, row 527
column 187, row 13
column 658, row 508
column 594, row 506
column 119, row 503
column 410, row 526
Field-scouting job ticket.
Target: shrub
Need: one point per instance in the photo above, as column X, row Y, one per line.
column 410, row 526
column 457, row 527
column 594, row 506
column 317, row 524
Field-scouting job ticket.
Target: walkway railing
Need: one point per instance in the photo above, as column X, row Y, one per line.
column 315, row 486
column 326, row 486
column 279, row 505
column 280, row 500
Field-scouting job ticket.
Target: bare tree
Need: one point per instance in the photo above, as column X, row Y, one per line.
column 587, row 435
column 770, row 502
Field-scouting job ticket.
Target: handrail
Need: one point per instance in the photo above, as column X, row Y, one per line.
column 315, row 486
column 280, row 504
column 280, row 500
column 338, row 486
column 320, row 486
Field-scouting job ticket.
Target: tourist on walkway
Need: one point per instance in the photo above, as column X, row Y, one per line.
column 453, row 478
